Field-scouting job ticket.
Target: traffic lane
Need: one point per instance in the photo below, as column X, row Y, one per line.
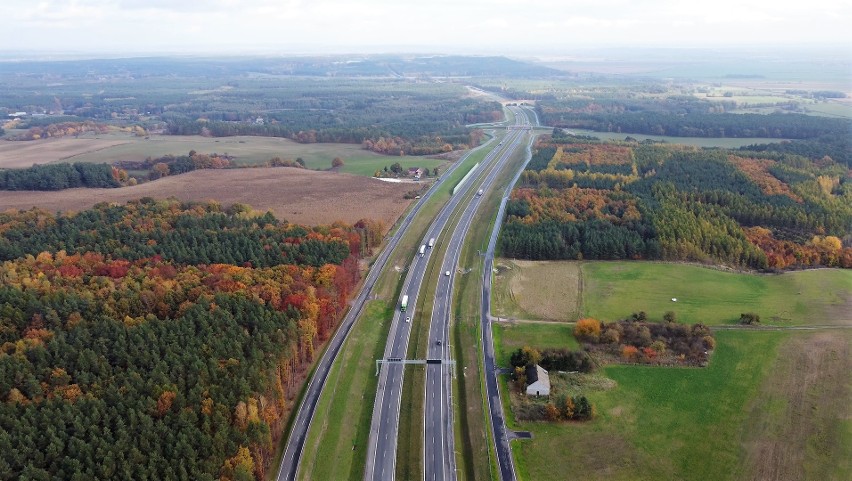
column 388, row 408
column 441, row 408
column 389, row 425
column 437, row 225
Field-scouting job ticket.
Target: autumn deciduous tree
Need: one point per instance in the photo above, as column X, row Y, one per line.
column 629, row 353
column 526, row 356
column 164, row 403
column 201, row 355
column 551, row 412
column 588, row 329
column 159, row 170
column 336, row 162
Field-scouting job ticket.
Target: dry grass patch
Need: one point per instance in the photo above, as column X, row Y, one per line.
column 298, row 195
column 800, row 418
column 547, row 290
column 21, row 154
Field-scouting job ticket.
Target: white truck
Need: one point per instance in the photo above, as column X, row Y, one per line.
column 432, row 242
column 422, row 250
column 404, row 304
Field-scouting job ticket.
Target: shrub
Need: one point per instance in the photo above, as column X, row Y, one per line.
column 588, row 329
column 749, row 318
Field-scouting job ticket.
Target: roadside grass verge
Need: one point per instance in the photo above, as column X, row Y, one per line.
column 614, row 290
column 342, row 422
column 401, row 257
column 409, row 463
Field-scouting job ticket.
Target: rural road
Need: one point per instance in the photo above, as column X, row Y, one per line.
column 384, row 427
column 301, row 424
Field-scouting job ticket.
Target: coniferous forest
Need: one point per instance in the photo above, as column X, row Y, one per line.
column 581, row 198
column 159, row 340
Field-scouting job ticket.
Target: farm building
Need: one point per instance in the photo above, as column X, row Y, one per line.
column 538, row 381
column 415, row 172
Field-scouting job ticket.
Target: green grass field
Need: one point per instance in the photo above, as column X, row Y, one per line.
column 614, row 290
column 771, row 401
column 509, row 337
column 249, row 150
column 658, row 423
column 830, row 109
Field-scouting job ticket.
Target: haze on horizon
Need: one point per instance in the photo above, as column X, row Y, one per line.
column 445, row 26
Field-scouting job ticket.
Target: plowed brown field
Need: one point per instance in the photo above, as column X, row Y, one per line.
column 298, row 195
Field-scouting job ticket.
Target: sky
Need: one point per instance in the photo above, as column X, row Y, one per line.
column 438, row 26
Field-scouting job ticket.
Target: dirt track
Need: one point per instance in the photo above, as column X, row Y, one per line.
column 301, row 196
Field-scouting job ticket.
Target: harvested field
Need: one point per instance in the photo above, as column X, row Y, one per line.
column 796, row 425
column 298, row 195
column 547, row 290
column 19, row 154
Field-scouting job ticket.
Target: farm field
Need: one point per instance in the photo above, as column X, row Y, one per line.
column 614, row 290
column 297, row 195
column 19, row 154
column 772, row 404
column 247, row 150
column 526, row 290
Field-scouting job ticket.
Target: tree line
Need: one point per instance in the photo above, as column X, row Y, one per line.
column 762, row 210
column 62, row 176
column 691, row 118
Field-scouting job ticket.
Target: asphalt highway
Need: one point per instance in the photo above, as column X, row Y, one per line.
column 298, row 434
column 384, row 428
column 495, row 408
column 438, row 435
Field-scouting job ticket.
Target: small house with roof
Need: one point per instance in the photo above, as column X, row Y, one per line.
column 538, row 381
column 415, row 172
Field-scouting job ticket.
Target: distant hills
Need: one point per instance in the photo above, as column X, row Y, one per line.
column 355, row 66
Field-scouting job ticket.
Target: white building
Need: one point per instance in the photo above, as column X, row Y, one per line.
column 538, row 381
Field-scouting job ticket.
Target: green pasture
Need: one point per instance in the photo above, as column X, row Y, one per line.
column 830, row 109
column 614, row 290
column 658, row 423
